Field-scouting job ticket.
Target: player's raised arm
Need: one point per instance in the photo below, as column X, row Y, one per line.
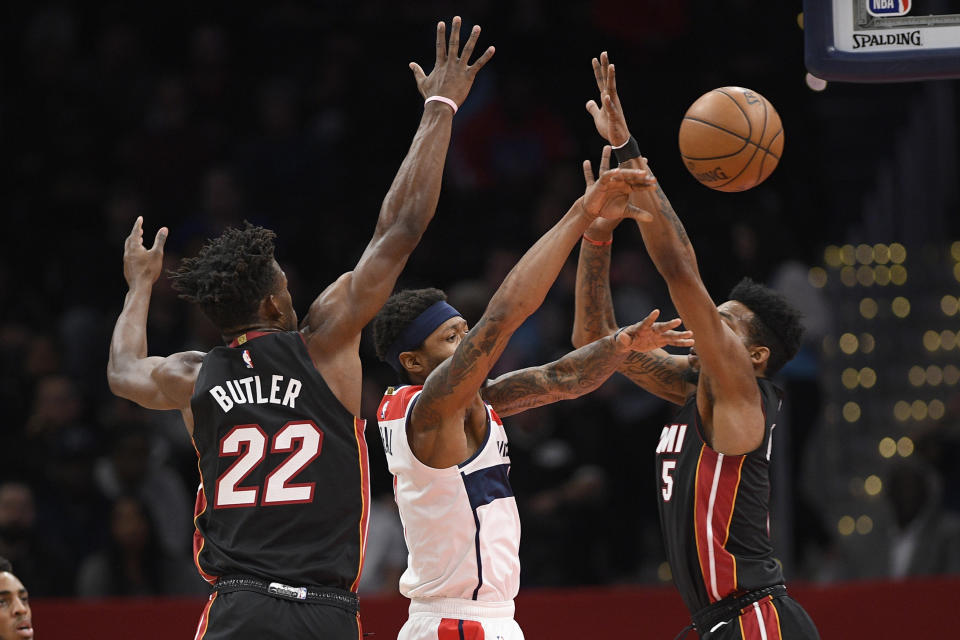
column 339, row 314
column 731, row 408
column 150, row 381
column 583, row 370
column 656, row 370
column 453, row 385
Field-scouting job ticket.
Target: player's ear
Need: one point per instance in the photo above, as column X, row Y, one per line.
column 270, row 308
column 411, row 361
column 759, row 356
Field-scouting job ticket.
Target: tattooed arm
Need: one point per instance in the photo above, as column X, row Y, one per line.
column 581, row 371
column 450, row 399
column 656, row 371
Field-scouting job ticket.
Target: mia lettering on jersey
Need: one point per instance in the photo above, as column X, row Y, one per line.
column 250, row 390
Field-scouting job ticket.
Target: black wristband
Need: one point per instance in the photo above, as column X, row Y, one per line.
column 628, row 151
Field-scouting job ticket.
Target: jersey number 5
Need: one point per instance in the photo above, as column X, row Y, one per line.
column 667, row 488
column 303, row 439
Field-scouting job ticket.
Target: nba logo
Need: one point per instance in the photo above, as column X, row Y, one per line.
column 247, row 359
column 888, row 7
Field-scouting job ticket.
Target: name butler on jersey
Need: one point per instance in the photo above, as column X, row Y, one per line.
column 282, row 442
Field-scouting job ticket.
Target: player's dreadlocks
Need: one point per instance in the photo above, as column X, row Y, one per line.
column 400, row 310
column 230, row 275
column 776, row 325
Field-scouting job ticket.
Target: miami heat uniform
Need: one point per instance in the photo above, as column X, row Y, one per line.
column 462, row 531
column 281, row 517
column 715, row 520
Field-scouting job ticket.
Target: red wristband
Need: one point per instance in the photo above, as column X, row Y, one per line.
column 598, row 243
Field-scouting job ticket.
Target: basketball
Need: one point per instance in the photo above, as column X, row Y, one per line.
column 731, row 139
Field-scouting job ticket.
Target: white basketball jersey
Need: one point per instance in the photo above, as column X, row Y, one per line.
column 460, row 523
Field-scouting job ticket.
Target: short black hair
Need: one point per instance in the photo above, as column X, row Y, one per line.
column 775, row 325
column 398, row 312
column 230, row 275
column 5, row 566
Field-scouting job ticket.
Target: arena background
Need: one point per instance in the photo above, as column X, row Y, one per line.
column 296, row 116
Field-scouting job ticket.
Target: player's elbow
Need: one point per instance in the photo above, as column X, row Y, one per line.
column 117, row 383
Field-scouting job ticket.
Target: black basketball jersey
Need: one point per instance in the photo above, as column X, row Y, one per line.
column 715, row 509
column 284, row 488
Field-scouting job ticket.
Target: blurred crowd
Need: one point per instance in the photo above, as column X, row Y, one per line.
column 295, row 116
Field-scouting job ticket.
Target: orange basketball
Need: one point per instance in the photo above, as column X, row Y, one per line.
column 731, row 139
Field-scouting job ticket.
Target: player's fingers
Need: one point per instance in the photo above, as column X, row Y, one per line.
column 597, row 74
column 482, row 60
column 650, row 319
column 678, row 341
column 160, row 239
column 593, row 109
column 588, row 172
column 668, row 325
column 605, row 158
column 471, row 43
column 453, row 46
column 638, row 214
column 611, row 80
column 609, row 103
column 441, row 41
column 135, row 233
column 418, row 73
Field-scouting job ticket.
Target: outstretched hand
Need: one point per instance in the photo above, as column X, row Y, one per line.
column 648, row 335
column 607, row 196
column 451, row 76
column 608, row 118
column 142, row 266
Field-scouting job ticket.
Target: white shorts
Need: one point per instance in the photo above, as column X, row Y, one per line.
column 450, row 619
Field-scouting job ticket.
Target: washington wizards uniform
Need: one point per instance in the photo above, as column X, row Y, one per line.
column 462, row 531
column 284, row 496
column 715, row 520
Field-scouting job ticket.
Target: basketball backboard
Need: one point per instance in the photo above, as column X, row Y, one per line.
column 882, row 40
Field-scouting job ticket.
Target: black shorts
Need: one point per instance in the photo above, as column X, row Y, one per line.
column 247, row 615
column 781, row 618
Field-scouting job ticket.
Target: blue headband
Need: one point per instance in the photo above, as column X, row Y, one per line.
column 418, row 330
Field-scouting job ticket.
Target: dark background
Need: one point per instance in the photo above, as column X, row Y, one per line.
column 296, row 116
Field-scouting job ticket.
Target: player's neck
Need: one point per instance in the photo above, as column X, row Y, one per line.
column 232, row 334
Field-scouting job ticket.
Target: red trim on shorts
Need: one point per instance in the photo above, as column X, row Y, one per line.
column 760, row 620
column 205, row 618
column 453, row 629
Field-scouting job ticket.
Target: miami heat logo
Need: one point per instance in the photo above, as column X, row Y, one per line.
column 247, row 359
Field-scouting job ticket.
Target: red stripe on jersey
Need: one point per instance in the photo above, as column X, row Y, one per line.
column 205, row 618
column 717, row 482
column 198, row 540
column 359, row 426
column 760, row 621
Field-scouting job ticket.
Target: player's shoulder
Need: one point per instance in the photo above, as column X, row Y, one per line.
column 395, row 401
column 178, row 373
column 182, row 363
